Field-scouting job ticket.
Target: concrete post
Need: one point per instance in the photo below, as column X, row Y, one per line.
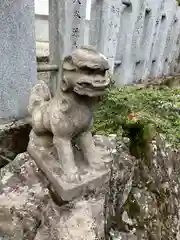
column 18, row 57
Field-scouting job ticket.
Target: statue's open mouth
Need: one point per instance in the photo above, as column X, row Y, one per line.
column 91, row 89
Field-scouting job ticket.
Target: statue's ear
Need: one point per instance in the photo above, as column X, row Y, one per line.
column 68, row 64
column 64, row 84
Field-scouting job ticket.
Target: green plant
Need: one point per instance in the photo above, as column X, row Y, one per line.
column 127, row 108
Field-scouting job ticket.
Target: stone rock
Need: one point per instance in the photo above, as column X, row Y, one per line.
column 14, row 138
column 143, row 197
column 82, row 219
column 141, row 201
column 30, row 209
column 23, row 194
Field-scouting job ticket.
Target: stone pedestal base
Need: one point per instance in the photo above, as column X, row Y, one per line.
column 89, row 179
column 27, row 210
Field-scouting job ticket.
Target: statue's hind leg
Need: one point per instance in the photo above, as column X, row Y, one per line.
column 39, row 143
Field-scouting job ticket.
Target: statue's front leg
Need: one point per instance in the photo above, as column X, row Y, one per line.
column 66, row 157
column 87, row 146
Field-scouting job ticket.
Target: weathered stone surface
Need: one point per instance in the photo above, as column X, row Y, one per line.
column 30, row 209
column 66, row 116
column 14, row 138
column 23, row 194
column 142, row 201
column 82, row 219
column 143, row 197
column 18, row 57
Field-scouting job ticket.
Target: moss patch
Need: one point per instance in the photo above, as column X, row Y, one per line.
column 152, row 109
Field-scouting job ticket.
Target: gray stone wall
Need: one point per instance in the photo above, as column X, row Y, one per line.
column 18, row 57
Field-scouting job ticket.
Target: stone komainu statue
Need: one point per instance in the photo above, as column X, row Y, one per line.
column 58, row 120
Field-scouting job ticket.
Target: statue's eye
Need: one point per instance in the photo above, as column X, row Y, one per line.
column 91, row 71
column 85, row 84
column 101, row 72
column 86, row 69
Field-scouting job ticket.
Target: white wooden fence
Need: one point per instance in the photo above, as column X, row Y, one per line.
column 140, row 38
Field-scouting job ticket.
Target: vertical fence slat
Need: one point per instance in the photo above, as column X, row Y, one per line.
column 156, row 41
column 66, row 27
column 137, row 41
column 165, row 29
column 95, row 22
column 78, row 22
column 110, row 22
column 171, row 43
column 123, row 32
column 154, row 7
column 134, row 14
column 54, row 42
column 174, row 60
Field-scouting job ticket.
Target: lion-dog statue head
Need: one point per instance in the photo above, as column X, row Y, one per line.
column 84, row 72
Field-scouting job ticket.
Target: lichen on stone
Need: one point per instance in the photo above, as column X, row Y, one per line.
column 151, row 200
